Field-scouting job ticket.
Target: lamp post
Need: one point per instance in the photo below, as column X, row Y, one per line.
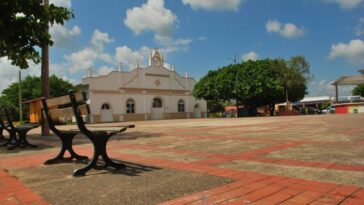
column 20, row 100
column 45, row 78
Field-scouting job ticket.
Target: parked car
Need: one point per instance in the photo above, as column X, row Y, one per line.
column 310, row 111
column 330, row 109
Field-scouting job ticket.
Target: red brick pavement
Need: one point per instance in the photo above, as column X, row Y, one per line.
column 247, row 188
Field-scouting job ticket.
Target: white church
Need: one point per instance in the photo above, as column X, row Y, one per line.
column 150, row 93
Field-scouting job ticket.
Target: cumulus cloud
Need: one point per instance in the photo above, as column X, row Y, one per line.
column 173, row 45
column 82, row 60
column 62, row 36
column 107, row 58
column 320, row 88
column 129, row 57
column 99, row 39
column 232, row 5
column 250, row 56
column 287, row 30
column 85, row 58
column 104, row 70
column 9, row 73
column 353, row 51
column 345, row 4
column 62, row 3
column 324, row 88
column 151, row 16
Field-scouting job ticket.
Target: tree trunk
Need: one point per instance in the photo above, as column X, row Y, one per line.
column 237, row 108
column 271, row 109
column 287, row 101
column 45, row 80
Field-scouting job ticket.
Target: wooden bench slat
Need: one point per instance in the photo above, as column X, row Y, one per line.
column 63, row 100
column 67, row 112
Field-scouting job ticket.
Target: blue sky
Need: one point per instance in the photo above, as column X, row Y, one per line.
column 196, row 36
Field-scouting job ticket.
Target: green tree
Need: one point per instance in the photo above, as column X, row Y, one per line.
column 259, row 83
column 252, row 84
column 31, row 89
column 296, row 75
column 206, row 88
column 359, row 90
column 24, row 27
column 256, row 83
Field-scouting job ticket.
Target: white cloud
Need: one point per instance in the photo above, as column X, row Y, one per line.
column 287, row 30
column 99, row 39
column 85, row 58
column 232, row 5
column 128, row 57
column 324, row 88
column 107, row 58
column 62, row 36
column 202, row 38
column 250, row 56
column 346, row 4
column 359, row 29
column 151, row 16
column 82, row 59
column 320, row 88
column 62, row 3
column 104, row 70
column 9, row 73
column 353, row 52
column 172, row 45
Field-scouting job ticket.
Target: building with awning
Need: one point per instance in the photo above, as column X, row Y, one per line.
column 352, row 107
column 348, row 80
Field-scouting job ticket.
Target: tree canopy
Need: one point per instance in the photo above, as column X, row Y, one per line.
column 256, row 83
column 24, row 26
column 296, row 75
column 31, row 89
column 359, row 90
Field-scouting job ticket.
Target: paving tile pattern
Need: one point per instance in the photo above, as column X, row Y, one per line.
column 248, row 187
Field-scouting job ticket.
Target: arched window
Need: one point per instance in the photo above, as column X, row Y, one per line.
column 105, row 106
column 130, row 106
column 181, row 106
column 157, row 103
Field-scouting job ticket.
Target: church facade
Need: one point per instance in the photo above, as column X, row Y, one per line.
column 150, row 93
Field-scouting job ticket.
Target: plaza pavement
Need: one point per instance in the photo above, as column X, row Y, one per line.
column 316, row 159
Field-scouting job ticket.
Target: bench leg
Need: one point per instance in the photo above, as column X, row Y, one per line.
column 2, row 138
column 66, row 146
column 23, row 140
column 99, row 144
column 6, row 141
column 12, row 137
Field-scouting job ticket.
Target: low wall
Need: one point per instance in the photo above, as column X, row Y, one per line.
column 349, row 108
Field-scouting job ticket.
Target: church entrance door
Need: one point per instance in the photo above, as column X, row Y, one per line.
column 106, row 113
column 197, row 111
column 157, row 109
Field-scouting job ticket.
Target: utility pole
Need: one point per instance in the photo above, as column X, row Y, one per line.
column 45, row 78
column 20, row 100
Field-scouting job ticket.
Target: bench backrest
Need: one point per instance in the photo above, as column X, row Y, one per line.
column 78, row 110
column 61, row 107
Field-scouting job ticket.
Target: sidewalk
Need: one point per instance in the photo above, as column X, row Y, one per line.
column 236, row 149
